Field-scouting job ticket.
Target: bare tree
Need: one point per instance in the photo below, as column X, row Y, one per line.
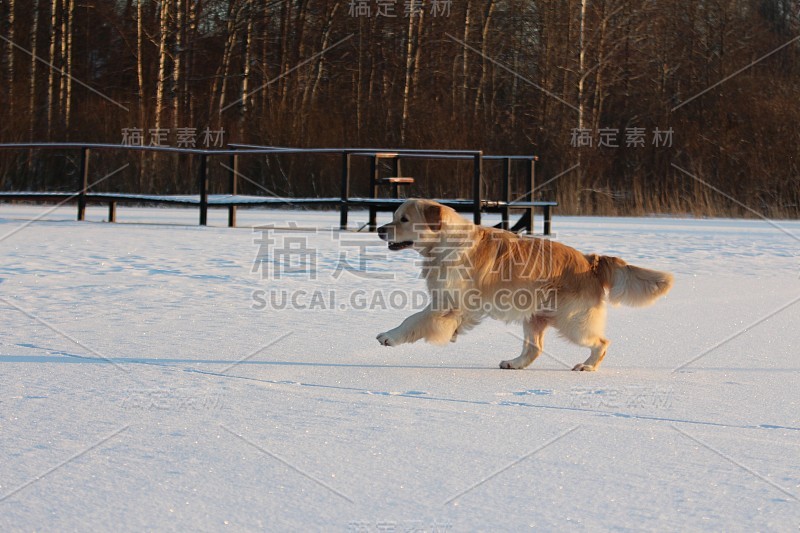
column 224, row 69
column 487, row 21
column 162, row 61
column 177, row 64
column 10, row 54
column 68, row 89
column 34, row 64
column 248, row 59
column 140, row 62
column 191, row 36
column 51, row 72
column 409, row 63
column 465, row 57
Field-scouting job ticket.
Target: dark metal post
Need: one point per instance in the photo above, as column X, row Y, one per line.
column 345, row 190
column 112, row 211
column 373, row 189
column 84, row 177
column 233, row 187
column 547, row 220
column 531, row 177
column 532, row 185
column 396, row 173
column 203, row 179
column 506, row 192
column 477, row 201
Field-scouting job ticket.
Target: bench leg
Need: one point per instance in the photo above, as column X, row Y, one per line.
column 373, row 219
column 343, row 216
column 532, row 218
column 232, row 216
column 112, row 211
column 547, row 220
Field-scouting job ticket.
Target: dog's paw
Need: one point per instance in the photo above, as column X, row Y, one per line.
column 509, row 365
column 386, row 340
column 454, row 337
column 580, row 367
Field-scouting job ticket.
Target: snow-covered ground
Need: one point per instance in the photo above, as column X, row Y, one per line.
column 152, row 378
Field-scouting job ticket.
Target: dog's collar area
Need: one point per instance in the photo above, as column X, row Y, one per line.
column 395, row 246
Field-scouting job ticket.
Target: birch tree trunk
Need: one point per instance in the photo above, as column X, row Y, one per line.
column 487, row 20
column 465, row 59
column 373, row 83
column 226, row 63
column 286, row 12
column 581, row 101
column 299, row 27
column 407, row 83
column 51, row 75
column 248, row 46
column 359, row 79
column 417, row 53
column 140, row 80
column 10, row 60
column 599, row 81
column 162, row 61
column 264, row 93
column 310, row 90
column 326, row 34
column 582, row 65
column 69, row 38
column 35, row 53
column 191, row 39
column 177, row 65
column 62, row 91
column 139, row 62
column 152, row 172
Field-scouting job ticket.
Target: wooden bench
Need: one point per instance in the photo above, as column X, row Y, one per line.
column 397, row 180
column 467, row 206
column 504, row 206
column 477, row 205
column 375, row 182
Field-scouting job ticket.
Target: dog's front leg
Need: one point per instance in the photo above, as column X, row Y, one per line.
column 434, row 327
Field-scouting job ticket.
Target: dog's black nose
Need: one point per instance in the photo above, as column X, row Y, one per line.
column 383, row 231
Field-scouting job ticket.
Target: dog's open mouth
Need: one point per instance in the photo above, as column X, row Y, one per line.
column 394, row 246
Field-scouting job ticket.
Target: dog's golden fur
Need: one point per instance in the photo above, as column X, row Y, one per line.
column 471, row 270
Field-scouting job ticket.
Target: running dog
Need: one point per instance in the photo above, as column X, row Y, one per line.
column 473, row 271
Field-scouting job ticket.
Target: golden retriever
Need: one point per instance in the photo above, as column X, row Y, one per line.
column 474, row 271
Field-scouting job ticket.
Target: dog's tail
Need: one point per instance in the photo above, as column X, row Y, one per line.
column 628, row 284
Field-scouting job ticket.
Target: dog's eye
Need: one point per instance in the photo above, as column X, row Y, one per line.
column 404, row 219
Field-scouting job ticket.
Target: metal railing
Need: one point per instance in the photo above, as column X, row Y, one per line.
column 235, row 151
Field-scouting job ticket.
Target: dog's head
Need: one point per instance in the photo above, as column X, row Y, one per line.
column 418, row 223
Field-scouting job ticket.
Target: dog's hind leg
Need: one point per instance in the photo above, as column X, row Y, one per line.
column 585, row 328
column 532, row 346
column 599, row 348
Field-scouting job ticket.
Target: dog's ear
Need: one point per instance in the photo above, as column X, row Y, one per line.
column 433, row 216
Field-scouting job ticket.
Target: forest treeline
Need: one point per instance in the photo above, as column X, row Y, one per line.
column 647, row 106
